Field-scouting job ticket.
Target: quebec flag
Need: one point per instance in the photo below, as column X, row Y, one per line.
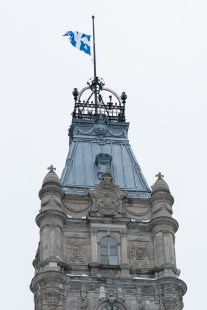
column 80, row 40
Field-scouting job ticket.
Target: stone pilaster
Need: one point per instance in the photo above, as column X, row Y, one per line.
column 124, row 256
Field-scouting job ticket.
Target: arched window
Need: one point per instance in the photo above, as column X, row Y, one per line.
column 108, row 251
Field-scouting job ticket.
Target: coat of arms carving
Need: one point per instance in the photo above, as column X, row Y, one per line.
column 139, row 252
column 107, row 197
column 77, row 250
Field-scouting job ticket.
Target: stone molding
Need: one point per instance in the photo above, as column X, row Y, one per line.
column 50, row 289
column 37, row 264
column 53, row 287
column 164, row 221
column 164, row 230
column 103, row 233
column 160, row 194
column 48, row 214
column 79, row 208
column 98, row 127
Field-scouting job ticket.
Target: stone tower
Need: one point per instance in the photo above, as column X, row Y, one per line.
column 107, row 242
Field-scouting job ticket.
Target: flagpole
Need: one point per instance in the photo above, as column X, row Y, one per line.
column 94, row 66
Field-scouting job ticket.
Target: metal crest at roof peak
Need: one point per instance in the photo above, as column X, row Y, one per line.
column 95, row 99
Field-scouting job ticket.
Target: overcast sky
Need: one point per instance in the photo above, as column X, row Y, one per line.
column 155, row 51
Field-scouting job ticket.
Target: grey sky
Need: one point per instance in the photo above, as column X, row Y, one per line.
column 155, row 51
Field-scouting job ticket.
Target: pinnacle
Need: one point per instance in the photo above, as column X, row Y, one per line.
column 51, row 176
column 160, row 183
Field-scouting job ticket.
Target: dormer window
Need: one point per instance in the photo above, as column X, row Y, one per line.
column 103, row 162
column 108, row 251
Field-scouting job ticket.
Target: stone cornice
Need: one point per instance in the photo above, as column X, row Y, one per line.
column 50, row 213
column 44, row 263
column 172, row 280
column 47, row 276
column 162, row 282
column 159, row 195
column 164, row 221
column 108, row 220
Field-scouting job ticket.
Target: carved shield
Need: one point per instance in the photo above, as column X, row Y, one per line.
column 139, row 251
column 77, row 250
column 107, row 197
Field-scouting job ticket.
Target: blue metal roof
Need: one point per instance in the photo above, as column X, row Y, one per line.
column 106, row 140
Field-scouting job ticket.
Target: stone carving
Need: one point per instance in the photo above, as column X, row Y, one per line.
column 169, row 289
column 77, row 207
column 100, row 129
column 130, row 290
column 102, row 293
column 164, row 204
column 159, row 176
column 51, row 292
column 148, row 290
column 112, row 298
column 51, row 198
column 77, row 250
column 51, row 168
column 74, row 286
column 84, row 303
column 107, row 197
column 53, row 299
column 139, row 296
column 83, row 295
column 140, row 306
column 138, row 211
column 171, row 303
column 139, row 252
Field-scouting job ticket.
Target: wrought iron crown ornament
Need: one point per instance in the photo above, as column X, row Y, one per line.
column 112, row 106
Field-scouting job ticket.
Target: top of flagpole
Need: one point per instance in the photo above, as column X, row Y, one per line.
column 101, row 107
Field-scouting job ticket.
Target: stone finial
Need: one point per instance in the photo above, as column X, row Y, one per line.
column 161, row 198
column 51, row 183
column 51, row 168
column 159, row 176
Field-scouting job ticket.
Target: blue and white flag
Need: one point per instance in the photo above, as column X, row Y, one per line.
column 80, row 40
